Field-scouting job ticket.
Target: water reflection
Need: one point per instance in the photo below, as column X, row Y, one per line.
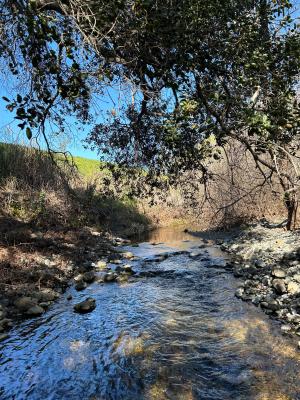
column 178, row 336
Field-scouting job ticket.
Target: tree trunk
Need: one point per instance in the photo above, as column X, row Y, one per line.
column 291, row 210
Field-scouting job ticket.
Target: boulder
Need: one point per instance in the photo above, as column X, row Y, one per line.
column 25, row 303
column 35, row 311
column 279, row 286
column 85, row 306
column 47, row 295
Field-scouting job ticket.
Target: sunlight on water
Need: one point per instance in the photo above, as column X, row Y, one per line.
column 172, row 336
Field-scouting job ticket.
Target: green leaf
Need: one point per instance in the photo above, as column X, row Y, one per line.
column 28, row 133
column 5, row 98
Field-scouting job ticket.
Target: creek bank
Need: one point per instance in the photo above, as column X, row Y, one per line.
column 268, row 263
column 77, row 258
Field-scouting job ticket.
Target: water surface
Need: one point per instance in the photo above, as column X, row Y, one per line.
column 180, row 335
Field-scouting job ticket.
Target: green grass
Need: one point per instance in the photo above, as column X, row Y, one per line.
column 87, row 167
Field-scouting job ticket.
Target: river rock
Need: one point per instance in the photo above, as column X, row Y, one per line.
column 128, row 269
column 279, row 286
column 35, row 311
column 3, row 336
column 239, row 293
column 123, row 278
column 293, row 288
column 5, row 324
column 89, row 277
column 25, row 303
column 195, row 254
column 296, row 278
column 47, row 295
column 259, row 263
column 101, row 265
column 278, row 273
column 271, row 305
column 80, row 285
column 109, row 277
column 2, row 312
column 85, row 306
column 128, row 255
column 286, row 328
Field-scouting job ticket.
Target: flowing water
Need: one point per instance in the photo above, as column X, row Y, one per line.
column 180, row 334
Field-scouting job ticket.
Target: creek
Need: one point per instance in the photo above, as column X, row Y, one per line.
column 176, row 332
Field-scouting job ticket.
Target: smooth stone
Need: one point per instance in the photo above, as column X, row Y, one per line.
column 123, row 278
column 272, row 305
column 35, row 311
column 78, row 278
column 296, row 278
column 110, row 277
column 128, row 255
column 69, row 297
column 3, row 336
column 128, row 269
column 293, row 288
column 278, row 273
column 25, row 303
column 195, row 255
column 85, row 306
column 286, row 328
column 6, row 323
column 239, row 293
column 89, row 277
column 259, row 264
column 279, row 286
column 101, row 265
column 47, row 295
column 45, row 304
column 80, row 285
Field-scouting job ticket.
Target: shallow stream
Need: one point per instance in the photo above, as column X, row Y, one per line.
column 179, row 334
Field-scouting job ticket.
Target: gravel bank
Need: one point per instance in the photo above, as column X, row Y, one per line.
column 268, row 263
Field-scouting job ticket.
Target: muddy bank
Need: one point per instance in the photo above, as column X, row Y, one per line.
column 268, row 263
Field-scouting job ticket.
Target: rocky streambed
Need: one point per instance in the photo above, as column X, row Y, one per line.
column 60, row 265
column 160, row 320
column 267, row 261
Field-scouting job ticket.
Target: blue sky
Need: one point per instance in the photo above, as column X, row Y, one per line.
column 10, row 132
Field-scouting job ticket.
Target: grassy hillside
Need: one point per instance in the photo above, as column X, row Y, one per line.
column 87, row 167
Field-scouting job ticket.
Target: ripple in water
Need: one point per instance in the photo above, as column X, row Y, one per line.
column 181, row 335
